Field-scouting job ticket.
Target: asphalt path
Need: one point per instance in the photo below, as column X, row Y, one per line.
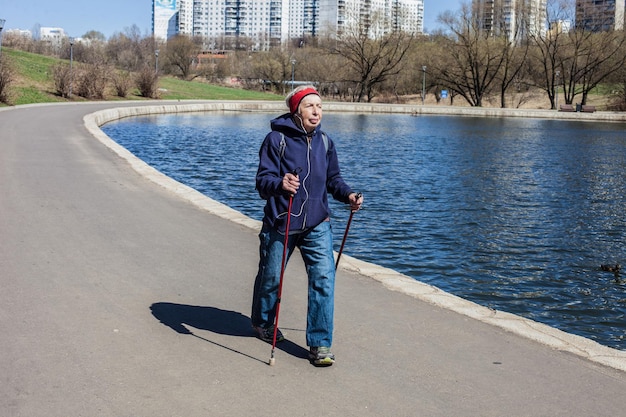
column 120, row 298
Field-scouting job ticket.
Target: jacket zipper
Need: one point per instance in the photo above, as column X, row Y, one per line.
column 308, row 157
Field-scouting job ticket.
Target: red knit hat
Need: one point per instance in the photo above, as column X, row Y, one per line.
column 295, row 100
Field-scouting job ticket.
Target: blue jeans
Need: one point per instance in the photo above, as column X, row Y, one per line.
column 316, row 247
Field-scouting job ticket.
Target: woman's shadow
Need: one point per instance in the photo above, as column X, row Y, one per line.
column 212, row 319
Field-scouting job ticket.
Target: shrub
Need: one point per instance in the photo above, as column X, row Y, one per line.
column 7, row 76
column 122, row 83
column 92, row 81
column 62, row 76
column 618, row 99
column 147, row 81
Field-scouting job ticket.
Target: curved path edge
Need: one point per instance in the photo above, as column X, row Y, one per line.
column 391, row 279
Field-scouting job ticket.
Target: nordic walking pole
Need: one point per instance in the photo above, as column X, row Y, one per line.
column 345, row 234
column 282, row 275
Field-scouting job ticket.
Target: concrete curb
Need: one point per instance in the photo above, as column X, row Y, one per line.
column 391, row 279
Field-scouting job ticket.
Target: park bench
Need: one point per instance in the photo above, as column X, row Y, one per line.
column 567, row 107
column 588, row 109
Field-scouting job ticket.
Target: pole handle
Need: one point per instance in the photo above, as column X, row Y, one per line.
column 358, row 196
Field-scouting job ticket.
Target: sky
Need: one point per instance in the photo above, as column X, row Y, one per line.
column 78, row 17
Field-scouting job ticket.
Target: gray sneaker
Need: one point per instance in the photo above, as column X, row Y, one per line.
column 321, row 356
column 267, row 335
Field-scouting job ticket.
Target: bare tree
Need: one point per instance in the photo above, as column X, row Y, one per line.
column 428, row 53
column 475, row 57
column 514, row 47
column 370, row 52
column 272, row 67
column 577, row 59
column 593, row 57
column 543, row 64
column 371, row 61
column 130, row 50
column 181, row 54
column 95, row 35
column 618, row 96
column 408, row 81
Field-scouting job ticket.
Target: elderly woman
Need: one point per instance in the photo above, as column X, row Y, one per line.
column 297, row 160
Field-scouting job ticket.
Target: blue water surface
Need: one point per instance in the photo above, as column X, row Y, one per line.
column 514, row 214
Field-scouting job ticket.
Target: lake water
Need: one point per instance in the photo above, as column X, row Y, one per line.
column 513, row 214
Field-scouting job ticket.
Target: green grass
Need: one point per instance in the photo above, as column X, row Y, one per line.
column 33, row 67
column 29, row 95
column 175, row 89
column 33, row 84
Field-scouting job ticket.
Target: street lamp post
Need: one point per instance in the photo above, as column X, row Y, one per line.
column 293, row 71
column 1, row 27
column 71, row 65
column 156, row 62
column 423, row 84
column 556, row 93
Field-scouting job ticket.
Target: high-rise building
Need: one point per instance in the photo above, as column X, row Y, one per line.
column 375, row 16
column 600, row 15
column 185, row 16
column 272, row 22
column 512, row 18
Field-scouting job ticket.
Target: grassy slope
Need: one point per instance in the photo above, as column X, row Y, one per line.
column 33, row 80
column 34, row 84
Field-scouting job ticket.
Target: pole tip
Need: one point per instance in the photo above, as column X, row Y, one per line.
column 272, row 361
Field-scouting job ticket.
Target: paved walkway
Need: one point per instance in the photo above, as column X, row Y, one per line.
column 123, row 293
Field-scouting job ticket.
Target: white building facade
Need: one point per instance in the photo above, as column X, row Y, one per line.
column 375, row 16
column 512, row 18
column 272, row 22
column 53, row 36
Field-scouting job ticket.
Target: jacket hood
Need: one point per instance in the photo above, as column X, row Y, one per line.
column 286, row 125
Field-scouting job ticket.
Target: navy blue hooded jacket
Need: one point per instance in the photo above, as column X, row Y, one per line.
column 318, row 171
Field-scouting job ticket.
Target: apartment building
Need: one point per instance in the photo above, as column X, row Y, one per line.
column 52, row 35
column 512, row 18
column 516, row 18
column 600, row 15
column 273, row 22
